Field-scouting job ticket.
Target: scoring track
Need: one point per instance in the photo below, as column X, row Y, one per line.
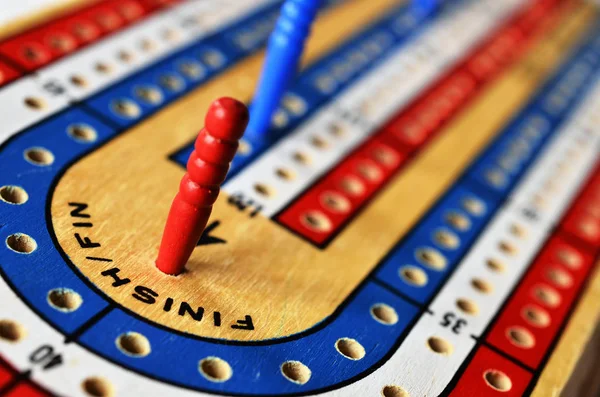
column 377, row 320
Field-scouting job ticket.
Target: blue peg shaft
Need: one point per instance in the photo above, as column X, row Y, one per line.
column 284, row 50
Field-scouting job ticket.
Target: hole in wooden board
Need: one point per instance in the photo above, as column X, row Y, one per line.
column 316, row 221
column 520, row 337
column 21, row 243
column 385, row 314
column 125, row 56
column 294, row 104
column 130, row 11
column 336, row 130
column 244, row 148
column 213, row 58
column 302, row 158
column 35, row 103
column 570, row 258
column 518, row 231
column 215, row 369
column 192, row 70
column 458, row 221
column 446, row 239
column 285, row 173
column 85, row 31
column 62, row 43
column 13, row 194
column 170, row 35
column 536, row 316
column 467, row 306
column 147, row 45
column 82, row 133
column 394, row 391
column 97, row 387
column 319, row 142
column 508, row 248
column 413, row 275
column 78, row 80
column 296, row 372
column 148, row 94
column 589, row 228
column 350, row 348
column 431, row 258
column 560, row 278
column 335, row 202
column 133, row 344
column 64, row 299
column 264, row 190
column 39, row 156
column 547, row 296
column 352, row 186
column 474, row 206
column 497, row 380
column 11, row 331
column 440, row 345
column 385, row 156
column 103, row 67
column 482, row 286
column 126, row 108
column 280, row 118
column 369, row 171
column 173, row 83
column 495, row 265
column 496, row 178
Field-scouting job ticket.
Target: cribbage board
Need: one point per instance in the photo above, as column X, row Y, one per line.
column 423, row 219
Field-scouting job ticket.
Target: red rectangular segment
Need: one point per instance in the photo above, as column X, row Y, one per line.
column 583, row 220
column 490, row 374
column 46, row 43
column 26, row 389
column 7, row 74
column 533, row 316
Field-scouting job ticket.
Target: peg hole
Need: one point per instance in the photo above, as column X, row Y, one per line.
column 482, row 286
column 536, row 316
column 474, row 206
column 446, row 239
column 569, row 258
column 316, row 221
column 413, row 275
column 97, row 387
column 520, row 337
column 82, row 133
column 296, row 372
column 560, row 278
column 64, row 299
column 13, row 194
column 431, row 258
column 497, row 380
column 335, row 202
column 79, row 81
column 35, row 103
column 11, row 331
column 264, row 190
column 547, row 296
column 350, row 348
column 394, row 391
column 301, row 158
column 495, row 265
column 215, row 369
column 440, row 345
column 21, row 243
column 385, row 314
column 458, row 221
column 467, row 306
column 133, row 344
column 39, row 156
column 353, row 186
column 285, row 173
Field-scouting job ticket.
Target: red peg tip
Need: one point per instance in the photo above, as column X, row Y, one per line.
column 207, row 168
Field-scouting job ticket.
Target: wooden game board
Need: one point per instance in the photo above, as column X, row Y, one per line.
column 424, row 219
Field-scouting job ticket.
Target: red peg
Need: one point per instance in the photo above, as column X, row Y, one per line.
column 207, row 168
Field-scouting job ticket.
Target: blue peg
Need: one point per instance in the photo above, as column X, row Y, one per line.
column 284, row 50
column 426, row 6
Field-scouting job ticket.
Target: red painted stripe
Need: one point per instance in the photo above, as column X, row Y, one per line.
column 46, row 43
column 533, row 316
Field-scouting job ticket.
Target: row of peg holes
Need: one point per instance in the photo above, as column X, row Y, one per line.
column 214, row 369
column 432, row 258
